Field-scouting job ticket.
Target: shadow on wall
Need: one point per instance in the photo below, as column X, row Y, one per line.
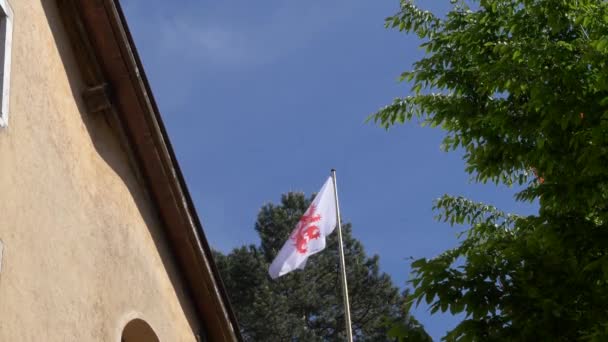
column 107, row 143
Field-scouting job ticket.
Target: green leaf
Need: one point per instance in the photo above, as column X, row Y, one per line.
column 516, row 55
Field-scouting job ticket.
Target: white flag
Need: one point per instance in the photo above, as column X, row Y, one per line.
column 309, row 235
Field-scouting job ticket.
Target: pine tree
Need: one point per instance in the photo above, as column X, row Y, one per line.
column 307, row 305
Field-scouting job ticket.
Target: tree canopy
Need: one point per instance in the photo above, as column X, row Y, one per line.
column 307, row 305
column 521, row 86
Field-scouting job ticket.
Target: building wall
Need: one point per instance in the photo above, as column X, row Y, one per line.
column 83, row 248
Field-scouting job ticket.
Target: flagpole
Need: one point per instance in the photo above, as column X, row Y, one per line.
column 349, row 332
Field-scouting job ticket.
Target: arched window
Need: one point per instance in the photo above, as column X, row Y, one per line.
column 138, row 330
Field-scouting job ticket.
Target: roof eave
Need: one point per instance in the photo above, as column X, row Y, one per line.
column 117, row 85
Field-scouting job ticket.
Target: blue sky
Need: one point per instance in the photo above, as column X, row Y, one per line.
column 265, row 97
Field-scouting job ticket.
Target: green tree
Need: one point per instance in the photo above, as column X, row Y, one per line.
column 521, row 86
column 307, row 305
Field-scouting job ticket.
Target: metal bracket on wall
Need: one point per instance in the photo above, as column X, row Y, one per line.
column 97, row 98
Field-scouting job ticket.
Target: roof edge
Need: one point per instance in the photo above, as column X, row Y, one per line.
column 117, row 84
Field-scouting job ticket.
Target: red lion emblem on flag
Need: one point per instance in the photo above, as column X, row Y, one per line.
column 306, row 230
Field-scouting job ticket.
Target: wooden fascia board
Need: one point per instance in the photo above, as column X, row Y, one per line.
column 110, row 65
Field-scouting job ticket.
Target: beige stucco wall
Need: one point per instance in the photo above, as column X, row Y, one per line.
column 83, row 249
